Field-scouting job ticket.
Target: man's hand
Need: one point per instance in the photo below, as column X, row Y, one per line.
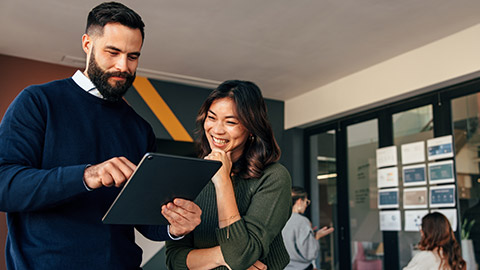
column 113, row 172
column 183, row 216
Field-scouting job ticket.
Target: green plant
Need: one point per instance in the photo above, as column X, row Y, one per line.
column 466, row 227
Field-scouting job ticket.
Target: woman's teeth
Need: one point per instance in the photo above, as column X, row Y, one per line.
column 219, row 141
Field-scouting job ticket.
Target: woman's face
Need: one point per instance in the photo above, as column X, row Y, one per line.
column 302, row 205
column 223, row 129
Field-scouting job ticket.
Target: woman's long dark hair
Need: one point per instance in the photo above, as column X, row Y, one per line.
column 438, row 234
column 261, row 149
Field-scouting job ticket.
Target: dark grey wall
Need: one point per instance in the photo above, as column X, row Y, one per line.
column 293, row 155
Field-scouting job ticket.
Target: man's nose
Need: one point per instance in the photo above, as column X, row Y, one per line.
column 122, row 64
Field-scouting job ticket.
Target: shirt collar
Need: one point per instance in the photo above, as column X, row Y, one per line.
column 84, row 82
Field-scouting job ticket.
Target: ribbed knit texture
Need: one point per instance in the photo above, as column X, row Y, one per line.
column 265, row 206
column 47, row 137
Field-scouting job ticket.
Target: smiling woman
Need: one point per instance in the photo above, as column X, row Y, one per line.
column 223, row 130
column 239, row 230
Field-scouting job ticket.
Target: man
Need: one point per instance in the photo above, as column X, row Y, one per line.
column 50, row 137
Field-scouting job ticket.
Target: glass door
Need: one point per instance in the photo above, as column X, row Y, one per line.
column 465, row 116
column 324, row 195
column 411, row 126
column 366, row 239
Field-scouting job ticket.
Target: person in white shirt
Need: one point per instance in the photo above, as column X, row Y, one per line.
column 439, row 249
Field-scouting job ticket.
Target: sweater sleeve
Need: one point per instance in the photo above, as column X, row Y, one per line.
column 154, row 232
column 305, row 242
column 177, row 251
column 24, row 186
column 248, row 240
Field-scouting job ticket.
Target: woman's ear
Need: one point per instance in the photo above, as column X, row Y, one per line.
column 298, row 202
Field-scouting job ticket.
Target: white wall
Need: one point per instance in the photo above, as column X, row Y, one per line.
column 446, row 59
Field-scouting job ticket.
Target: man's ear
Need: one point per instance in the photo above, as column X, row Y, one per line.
column 87, row 44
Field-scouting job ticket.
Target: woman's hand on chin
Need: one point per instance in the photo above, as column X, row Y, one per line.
column 223, row 174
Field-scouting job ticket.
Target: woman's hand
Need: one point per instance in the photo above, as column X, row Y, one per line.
column 223, row 173
column 323, row 232
column 258, row 265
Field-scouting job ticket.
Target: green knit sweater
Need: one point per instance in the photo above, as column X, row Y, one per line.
column 265, row 207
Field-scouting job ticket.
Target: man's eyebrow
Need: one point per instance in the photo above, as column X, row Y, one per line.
column 113, row 48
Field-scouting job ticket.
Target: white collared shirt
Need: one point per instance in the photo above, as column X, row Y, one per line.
column 84, row 82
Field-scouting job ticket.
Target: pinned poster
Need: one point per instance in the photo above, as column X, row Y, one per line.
column 441, row 172
column 413, row 152
column 387, row 156
column 414, row 175
column 390, row 220
column 387, row 177
column 388, row 198
column 442, row 196
column 441, row 147
column 450, row 214
column 415, row 198
column 413, row 220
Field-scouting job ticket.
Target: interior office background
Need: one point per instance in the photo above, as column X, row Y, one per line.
column 441, row 68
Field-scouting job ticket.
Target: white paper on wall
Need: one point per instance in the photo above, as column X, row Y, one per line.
column 387, row 177
column 387, row 156
column 390, row 220
column 413, row 152
column 413, row 220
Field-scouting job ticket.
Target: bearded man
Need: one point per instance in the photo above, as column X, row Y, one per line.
column 65, row 149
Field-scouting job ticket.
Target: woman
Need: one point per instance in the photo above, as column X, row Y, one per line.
column 439, row 248
column 300, row 240
column 247, row 203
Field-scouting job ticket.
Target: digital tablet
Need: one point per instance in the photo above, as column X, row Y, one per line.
column 157, row 180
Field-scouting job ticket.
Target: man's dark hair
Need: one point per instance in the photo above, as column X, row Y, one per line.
column 113, row 12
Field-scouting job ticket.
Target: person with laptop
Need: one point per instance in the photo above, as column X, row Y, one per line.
column 247, row 202
column 65, row 149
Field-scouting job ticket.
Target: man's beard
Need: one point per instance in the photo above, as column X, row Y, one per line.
column 99, row 78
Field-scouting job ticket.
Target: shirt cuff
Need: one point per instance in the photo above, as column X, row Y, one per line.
column 171, row 237
column 85, row 184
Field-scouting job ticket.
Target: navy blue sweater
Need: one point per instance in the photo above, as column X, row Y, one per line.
column 47, row 137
